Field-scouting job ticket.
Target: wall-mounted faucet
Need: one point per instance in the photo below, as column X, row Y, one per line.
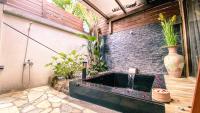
column 1, row 67
column 29, row 62
column 84, row 71
column 131, row 75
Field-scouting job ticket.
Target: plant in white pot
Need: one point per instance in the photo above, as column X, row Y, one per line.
column 65, row 66
column 174, row 62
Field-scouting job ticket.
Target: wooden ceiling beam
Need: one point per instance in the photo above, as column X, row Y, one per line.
column 96, row 9
column 138, row 10
column 141, row 9
column 121, row 6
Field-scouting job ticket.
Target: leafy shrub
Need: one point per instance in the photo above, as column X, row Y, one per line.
column 168, row 29
column 97, row 64
column 66, row 64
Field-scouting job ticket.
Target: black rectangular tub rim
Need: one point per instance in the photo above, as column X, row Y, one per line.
column 118, row 98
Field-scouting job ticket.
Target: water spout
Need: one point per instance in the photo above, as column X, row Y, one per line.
column 131, row 76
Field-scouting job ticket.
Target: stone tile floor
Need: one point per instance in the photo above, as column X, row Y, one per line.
column 46, row 100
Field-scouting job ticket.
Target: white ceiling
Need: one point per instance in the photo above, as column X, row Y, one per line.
column 106, row 6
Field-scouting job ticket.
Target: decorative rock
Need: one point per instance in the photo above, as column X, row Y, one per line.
column 65, row 102
column 54, row 99
column 42, row 88
column 12, row 109
column 33, row 95
column 6, row 95
column 47, row 110
column 76, row 106
column 20, row 102
column 56, row 110
column 50, row 95
column 44, row 104
column 28, row 108
column 76, row 111
column 5, row 105
column 55, row 105
column 7, row 99
column 62, row 95
column 88, row 111
column 61, row 85
column 2, row 102
column 17, row 94
column 66, row 108
column 35, row 111
column 40, row 99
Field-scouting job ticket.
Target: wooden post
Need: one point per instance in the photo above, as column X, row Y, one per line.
column 1, row 33
column 44, row 5
column 121, row 6
column 184, row 31
column 110, row 27
column 1, row 21
column 196, row 98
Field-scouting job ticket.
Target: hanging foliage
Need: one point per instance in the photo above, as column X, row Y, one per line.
column 76, row 8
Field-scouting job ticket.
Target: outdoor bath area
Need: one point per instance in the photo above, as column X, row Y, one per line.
column 99, row 56
column 45, row 99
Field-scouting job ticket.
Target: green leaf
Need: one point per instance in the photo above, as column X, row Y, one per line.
column 49, row 64
column 73, row 52
column 168, row 30
column 63, row 55
column 54, row 58
column 92, row 38
column 88, row 37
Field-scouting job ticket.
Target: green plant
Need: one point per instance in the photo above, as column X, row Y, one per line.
column 62, row 3
column 66, row 65
column 168, row 29
column 97, row 64
column 76, row 8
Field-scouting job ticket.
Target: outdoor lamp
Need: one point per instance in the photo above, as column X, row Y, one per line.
column 84, row 71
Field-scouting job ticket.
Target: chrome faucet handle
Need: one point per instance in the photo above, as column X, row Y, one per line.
column 29, row 62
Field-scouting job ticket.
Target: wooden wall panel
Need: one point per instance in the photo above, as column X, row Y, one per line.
column 48, row 10
column 103, row 25
column 28, row 5
column 57, row 14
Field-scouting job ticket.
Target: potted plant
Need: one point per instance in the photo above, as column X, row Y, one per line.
column 174, row 62
column 64, row 66
column 97, row 63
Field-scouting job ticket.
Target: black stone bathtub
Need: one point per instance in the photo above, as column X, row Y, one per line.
column 119, row 92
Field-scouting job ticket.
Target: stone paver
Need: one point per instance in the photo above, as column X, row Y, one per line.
column 12, row 109
column 45, row 100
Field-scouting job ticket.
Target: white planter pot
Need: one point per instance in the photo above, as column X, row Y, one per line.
column 174, row 63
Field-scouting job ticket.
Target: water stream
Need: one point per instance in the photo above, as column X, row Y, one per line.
column 131, row 77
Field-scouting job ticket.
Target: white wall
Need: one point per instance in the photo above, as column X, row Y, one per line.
column 13, row 46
